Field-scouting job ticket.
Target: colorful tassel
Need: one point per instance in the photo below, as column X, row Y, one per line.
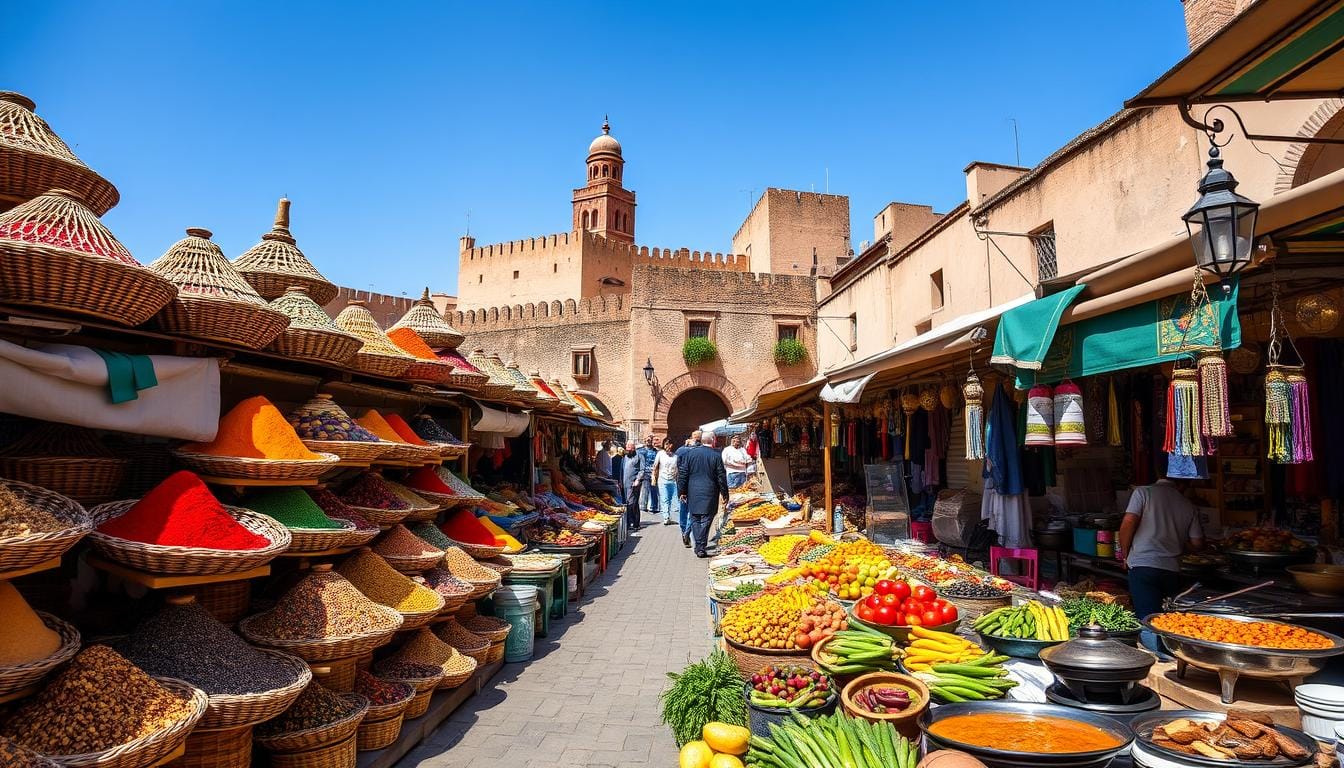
column 1040, row 416
column 1278, row 416
column 1299, row 411
column 1213, row 397
column 974, row 395
column 1113, row 435
column 1070, row 428
column 909, row 404
column 1183, row 415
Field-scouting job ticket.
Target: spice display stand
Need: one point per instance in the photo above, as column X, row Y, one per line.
column 243, row 482
column 161, row 581
column 1199, row 689
column 46, row 565
column 441, row 707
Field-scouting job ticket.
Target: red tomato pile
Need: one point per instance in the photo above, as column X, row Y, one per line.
column 897, row 604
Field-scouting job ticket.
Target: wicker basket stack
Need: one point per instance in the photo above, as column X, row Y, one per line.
column 498, row 386
column 323, row 407
column 522, row 388
column 311, row 334
column 56, row 254
column 328, row 746
column 465, row 376
column 195, row 561
column 66, row 459
column 379, row 356
column 546, row 396
column 426, row 321
column 276, row 264
column 33, row 160
column 427, row 367
column 213, row 301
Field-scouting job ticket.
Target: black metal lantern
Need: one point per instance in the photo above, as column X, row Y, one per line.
column 648, row 371
column 1221, row 223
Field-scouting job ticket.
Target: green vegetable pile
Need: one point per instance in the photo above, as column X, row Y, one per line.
column 1112, row 617
column 837, row 739
column 745, row 589
column 710, row 690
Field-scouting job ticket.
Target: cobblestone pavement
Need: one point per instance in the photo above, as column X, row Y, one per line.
column 589, row 697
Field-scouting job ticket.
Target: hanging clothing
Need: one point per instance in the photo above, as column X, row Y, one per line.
column 1008, row 514
column 1002, row 462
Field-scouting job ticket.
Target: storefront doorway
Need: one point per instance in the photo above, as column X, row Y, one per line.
column 692, row 408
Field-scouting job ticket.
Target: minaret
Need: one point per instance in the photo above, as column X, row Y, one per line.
column 602, row 206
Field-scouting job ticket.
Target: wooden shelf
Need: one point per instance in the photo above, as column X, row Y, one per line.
column 46, row 565
column 246, row 482
column 324, row 553
column 169, row 581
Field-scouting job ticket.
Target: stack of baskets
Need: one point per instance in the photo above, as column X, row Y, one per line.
column 465, row 376
column 34, row 160
column 522, row 389
column 493, row 629
column 213, row 301
column 482, row 579
column 276, row 264
column 497, row 386
column 382, row 723
column 428, row 367
column 379, row 356
column 332, row 745
column 55, row 254
column 194, row 561
column 425, row 320
column 311, row 335
column 464, row 640
column 424, row 689
column 20, row 552
column 322, row 408
column 66, row 459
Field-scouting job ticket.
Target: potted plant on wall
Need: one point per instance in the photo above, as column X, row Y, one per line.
column 698, row 350
column 790, row 352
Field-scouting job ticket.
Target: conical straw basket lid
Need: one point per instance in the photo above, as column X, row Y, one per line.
column 61, row 221
column 198, row 268
column 491, row 367
column 520, row 381
column 33, row 160
column 461, row 365
column 424, row 319
column 276, row 263
column 304, row 312
column 357, row 320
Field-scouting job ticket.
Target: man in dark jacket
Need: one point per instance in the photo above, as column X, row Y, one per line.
column 630, row 483
column 685, row 519
column 701, row 483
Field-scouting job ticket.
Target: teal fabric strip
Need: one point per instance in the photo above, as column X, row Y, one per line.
column 143, row 368
column 127, row 375
column 1024, row 333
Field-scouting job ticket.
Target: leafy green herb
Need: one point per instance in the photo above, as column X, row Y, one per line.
column 707, row 691
column 742, row 590
column 1112, row 617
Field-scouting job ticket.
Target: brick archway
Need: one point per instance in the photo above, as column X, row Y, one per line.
column 719, row 384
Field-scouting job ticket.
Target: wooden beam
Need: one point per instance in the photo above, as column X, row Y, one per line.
column 826, row 462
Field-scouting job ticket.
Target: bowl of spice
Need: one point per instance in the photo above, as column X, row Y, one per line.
column 37, row 524
column 468, row 533
column 245, row 685
column 179, row 527
column 325, row 427
column 321, row 618
column 103, row 710
column 256, row 442
column 32, row 643
column 464, row 640
column 404, row 450
column 461, row 489
column 455, row 591
column 435, row 433
column 425, row 647
column 365, row 530
column 310, row 529
column 421, row 507
column 407, row 552
column 318, row 717
column 426, row 482
column 370, row 496
column 387, row 704
column 463, row 566
column 15, row 754
column 383, row 584
column 427, row 366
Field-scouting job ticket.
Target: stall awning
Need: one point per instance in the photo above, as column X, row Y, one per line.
column 1286, row 49
column 487, row 419
column 1024, row 333
column 723, row 427
column 847, row 391
column 594, row 424
column 769, row 403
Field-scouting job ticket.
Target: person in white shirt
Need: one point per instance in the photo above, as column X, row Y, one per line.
column 736, row 462
column 1160, row 525
column 665, row 480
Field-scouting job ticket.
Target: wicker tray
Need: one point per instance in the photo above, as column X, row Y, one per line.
column 256, row 469
column 196, row 561
column 478, row 551
column 350, row 450
column 499, row 565
column 466, row 381
column 330, row 347
column 414, row 564
column 86, row 479
column 20, row 676
column 232, row 711
column 432, row 371
column 388, row 517
column 360, row 537
column 323, row 539
column 443, row 500
column 216, row 319
column 325, row 649
column 150, row 749
column 411, row 453
column 18, row 552
column 389, row 366
column 313, row 738
column 750, row 660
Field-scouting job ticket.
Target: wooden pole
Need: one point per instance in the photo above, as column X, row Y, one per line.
column 826, row 462
column 466, row 457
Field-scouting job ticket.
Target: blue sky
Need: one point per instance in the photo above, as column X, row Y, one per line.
column 386, row 122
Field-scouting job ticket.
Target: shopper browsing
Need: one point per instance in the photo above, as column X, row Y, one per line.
column 665, row 480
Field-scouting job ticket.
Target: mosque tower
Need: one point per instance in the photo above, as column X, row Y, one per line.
column 603, row 206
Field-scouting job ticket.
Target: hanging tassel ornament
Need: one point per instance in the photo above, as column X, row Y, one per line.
column 1278, row 415
column 1070, row 426
column 1040, row 415
column 1113, row 433
column 1213, row 397
column 928, row 399
column 1299, row 415
column 909, row 404
column 974, row 395
column 1183, row 414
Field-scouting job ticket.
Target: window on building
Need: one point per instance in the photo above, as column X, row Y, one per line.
column 555, row 268
column 585, row 219
column 789, row 332
column 853, row 331
column 515, row 274
column 605, row 170
column 698, row 329
column 936, row 290
column 480, row 278
column 1047, row 266
column 923, row 327
column 582, row 363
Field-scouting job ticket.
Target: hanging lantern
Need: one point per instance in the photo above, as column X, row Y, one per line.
column 974, row 395
column 1221, row 223
column 1299, row 415
column 909, row 404
column 1213, row 397
column 1278, row 415
column 1040, row 415
column 928, row 399
column 1070, row 426
column 1184, row 436
column 947, row 395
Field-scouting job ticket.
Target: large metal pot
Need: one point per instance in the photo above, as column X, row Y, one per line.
column 1093, row 666
column 1001, row 758
column 1053, row 540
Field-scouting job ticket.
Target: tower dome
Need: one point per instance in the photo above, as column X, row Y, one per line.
column 606, row 143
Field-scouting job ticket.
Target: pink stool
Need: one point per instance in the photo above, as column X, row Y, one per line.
column 922, row 532
column 1029, row 556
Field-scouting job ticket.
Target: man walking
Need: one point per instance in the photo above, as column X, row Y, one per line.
column 736, row 462
column 701, row 483
column 1160, row 525
column 684, row 517
column 630, row 485
column 648, row 494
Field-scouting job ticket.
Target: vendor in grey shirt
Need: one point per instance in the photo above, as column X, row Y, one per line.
column 1160, row 525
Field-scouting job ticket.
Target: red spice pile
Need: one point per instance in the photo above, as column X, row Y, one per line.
column 403, row 429
column 426, row 479
column 181, row 512
column 463, row 526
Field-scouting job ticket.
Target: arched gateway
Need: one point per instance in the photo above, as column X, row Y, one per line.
column 693, row 398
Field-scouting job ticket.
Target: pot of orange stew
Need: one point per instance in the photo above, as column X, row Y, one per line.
column 1018, row 734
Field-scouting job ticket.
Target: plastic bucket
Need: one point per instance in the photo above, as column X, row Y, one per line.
column 1085, row 541
column 517, row 604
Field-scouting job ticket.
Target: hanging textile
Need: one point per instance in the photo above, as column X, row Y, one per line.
column 1024, row 333
column 1113, row 438
column 1002, row 462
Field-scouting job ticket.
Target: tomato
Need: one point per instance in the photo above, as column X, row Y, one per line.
column 864, row 612
column 901, row 590
column 911, row 605
column 884, row 587
column 939, row 602
column 900, row 619
column 873, row 601
column 931, row 618
column 890, row 600
column 886, row 615
column 948, row 613
column 922, row 592
column 914, row 620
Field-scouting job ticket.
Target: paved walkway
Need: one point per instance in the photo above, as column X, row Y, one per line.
column 589, row 697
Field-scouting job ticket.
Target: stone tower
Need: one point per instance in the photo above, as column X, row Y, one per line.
column 603, row 206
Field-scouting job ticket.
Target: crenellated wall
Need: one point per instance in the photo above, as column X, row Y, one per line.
column 569, row 311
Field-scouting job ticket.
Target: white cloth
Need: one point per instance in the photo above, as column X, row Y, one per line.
column 68, row 384
column 736, row 459
column 665, row 465
column 1166, row 521
column 1009, row 516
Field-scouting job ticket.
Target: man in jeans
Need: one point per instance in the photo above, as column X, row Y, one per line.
column 1159, row 526
column 684, row 517
column 736, row 462
column 648, row 494
column 630, row 484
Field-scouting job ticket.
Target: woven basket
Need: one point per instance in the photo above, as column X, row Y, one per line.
column 383, row 517
column 488, row 627
column 147, row 750
column 424, row 319
column 313, row 738
column 362, row 536
column 464, row 640
column 378, row 356
column 18, row 552
column 276, row 264
column 311, row 334
column 33, row 160
column 419, row 704
column 55, row 254
column 384, row 711
column 478, row 551
column 20, row 676
column 464, row 665
column 195, row 561
column 429, row 371
column 342, row 754
column 337, row 674
column 414, row 564
column 324, row 649
column 256, row 469
column 440, row 500
column 750, row 660
column 222, row 748
column 419, row 504
column 234, row 711
column 420, row 619
column 498, row 565
column 350, row 450
column 971, row 608
column 213, row 301
column 227, row 601
column 407, row 452
column 323, row 539
column 420, row 684
column 66, row 459
column 377, row 734
column 463, row 491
